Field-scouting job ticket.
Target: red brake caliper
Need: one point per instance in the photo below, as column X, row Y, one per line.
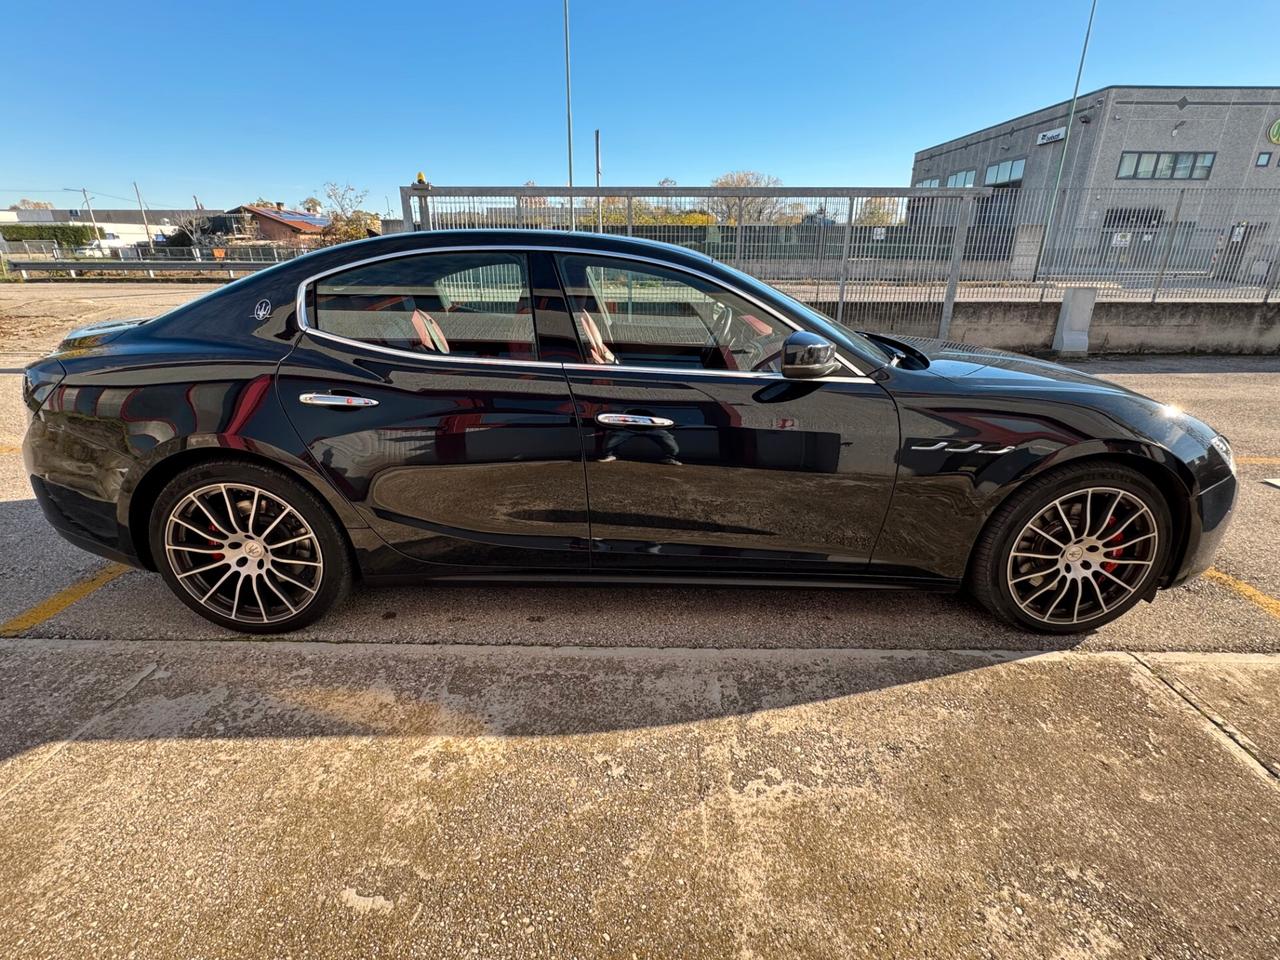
column 1111, row 567
column 213, row 543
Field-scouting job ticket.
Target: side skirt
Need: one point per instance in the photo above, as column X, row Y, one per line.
column 638, row 579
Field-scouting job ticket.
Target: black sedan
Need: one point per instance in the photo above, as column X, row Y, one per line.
column 491, row 405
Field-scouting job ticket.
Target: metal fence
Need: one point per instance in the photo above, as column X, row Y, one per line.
column 895, row 259
column 900, row 259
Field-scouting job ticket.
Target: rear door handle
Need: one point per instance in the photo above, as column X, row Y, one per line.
column 335, row 400
column 631, row 420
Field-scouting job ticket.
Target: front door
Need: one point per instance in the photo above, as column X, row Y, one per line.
column 700, row 456
column 420, row 390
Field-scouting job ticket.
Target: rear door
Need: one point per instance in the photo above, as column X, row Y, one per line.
column 423, row 393
column 700, row 456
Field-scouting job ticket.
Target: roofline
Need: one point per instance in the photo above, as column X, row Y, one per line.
column 277, row 215
column 1092, row 93
column 499, row 236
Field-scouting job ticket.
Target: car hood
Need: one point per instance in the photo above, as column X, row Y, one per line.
column 985, row 370
column 987, row 366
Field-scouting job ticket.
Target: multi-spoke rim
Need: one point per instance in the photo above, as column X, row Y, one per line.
column 1083, row 555
column 243, row 552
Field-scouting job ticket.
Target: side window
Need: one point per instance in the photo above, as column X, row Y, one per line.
column 454, row 304
column 634, row 314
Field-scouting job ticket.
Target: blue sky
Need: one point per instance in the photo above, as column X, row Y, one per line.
column 232, row 100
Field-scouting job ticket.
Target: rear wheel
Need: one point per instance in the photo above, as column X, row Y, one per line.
column 1073, row 550
column 248, row 548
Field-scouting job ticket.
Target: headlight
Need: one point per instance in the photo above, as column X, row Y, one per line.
column 1223, row 447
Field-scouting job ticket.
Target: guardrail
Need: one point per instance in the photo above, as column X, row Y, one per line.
column 81, row 266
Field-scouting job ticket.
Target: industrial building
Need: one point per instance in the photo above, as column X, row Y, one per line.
column 1122, row 136
column 1152, row 180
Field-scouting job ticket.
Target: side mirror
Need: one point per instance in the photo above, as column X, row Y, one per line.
column 806, row 356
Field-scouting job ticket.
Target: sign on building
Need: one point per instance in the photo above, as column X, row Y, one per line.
column 1051, row 136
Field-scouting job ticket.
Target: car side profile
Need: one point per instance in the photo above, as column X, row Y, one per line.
column 527, row 405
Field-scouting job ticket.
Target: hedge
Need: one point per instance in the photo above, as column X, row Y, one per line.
column 66, row 235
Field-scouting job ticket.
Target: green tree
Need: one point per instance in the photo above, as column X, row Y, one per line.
column 878, row 212
column 346, row 220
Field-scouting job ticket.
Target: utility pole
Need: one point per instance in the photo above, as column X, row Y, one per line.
column 1066, row 141
column 92, row 219
column 143, row 210
column 599, row 208
column 568, row 115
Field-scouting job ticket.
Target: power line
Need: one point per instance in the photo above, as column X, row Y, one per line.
column 97, row 193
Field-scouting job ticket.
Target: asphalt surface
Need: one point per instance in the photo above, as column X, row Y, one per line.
column 523, row 772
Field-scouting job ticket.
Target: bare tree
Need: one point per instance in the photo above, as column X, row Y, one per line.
column 25, row 204
column 752, row 209
column 192, row 226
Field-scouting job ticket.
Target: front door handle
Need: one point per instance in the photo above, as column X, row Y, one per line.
column 631, row 420
column 335, row 400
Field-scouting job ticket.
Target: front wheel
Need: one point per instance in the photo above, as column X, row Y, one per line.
column 248, row 548
column 1073, row 550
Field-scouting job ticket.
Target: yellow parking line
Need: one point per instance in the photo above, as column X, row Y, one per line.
column 1257, row 459
column 9, row 448
column 52, row 606
column 1264, row 600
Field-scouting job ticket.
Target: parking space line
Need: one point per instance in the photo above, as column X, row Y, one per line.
column 52, row 606
column 1257, row 459
column 1264, row 600
column 9, row 448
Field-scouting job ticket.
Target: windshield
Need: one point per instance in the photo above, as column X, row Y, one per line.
column 846, row 337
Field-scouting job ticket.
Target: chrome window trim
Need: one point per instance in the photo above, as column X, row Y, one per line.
column 300, row 308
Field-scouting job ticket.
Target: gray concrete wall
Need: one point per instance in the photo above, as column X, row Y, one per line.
column 1185, row 328
column 1225, row 328
column 1234, row 328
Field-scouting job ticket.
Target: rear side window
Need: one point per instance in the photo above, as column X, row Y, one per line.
column 440, row 304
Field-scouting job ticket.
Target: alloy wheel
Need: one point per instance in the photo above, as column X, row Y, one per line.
column 1082, row 555
column 243, row 552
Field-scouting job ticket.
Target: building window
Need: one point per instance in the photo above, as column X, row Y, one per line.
column 1006, row 172
column 1264, row 159
column 931, row 182
column 963, row 178
column 1188, row 165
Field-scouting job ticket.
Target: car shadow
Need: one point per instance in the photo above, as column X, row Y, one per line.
column 88, row 691
column 130, row 662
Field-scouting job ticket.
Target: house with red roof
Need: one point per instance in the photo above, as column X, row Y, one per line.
column 278, row 224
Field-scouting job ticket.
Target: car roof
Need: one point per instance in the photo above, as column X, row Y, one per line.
column 536, row 238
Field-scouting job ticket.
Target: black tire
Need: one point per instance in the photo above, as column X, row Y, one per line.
column 991, row 567
column 317, row 564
